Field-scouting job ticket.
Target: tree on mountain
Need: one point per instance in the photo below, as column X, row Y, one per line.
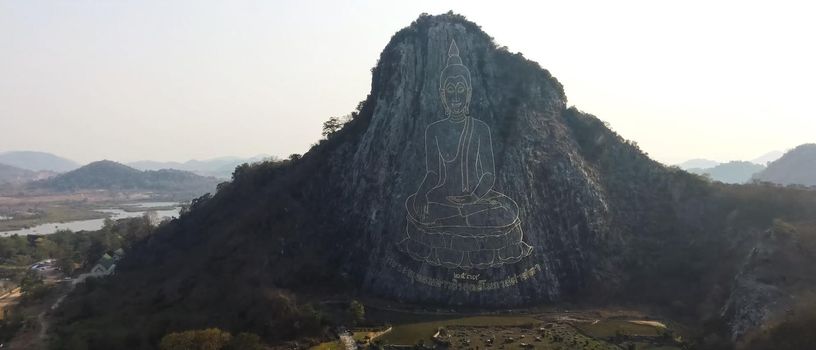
column 331, row 126
column 357, row 311
column 210, row 339
column 30, row 281
column 66, row 265
column 207, row 339
column 245, row 341
column 47, row 248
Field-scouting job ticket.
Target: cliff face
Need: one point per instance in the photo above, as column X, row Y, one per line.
column 601, row 218
column 774, row 283
column 562, row 211
column 554, row 202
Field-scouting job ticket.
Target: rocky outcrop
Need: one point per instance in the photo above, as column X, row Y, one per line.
column 776, row 272
column 562, row 203
column 752, row 304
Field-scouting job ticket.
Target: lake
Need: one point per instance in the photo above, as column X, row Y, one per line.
column 95, row 224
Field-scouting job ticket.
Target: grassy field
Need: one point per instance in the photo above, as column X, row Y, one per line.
column 331, row 345
column 27, row 210
column 550, row 336
column 338, row 345
column 548, row 331
column 611, row 327
column 49, row 213
column 411, row 333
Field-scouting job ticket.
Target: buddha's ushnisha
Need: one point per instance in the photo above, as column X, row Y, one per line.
column 456, row 218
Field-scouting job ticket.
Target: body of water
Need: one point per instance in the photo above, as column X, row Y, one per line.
column 149, row 205
column 96, row 224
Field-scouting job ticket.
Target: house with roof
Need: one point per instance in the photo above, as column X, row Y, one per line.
column 118, row 254
column 104, row 266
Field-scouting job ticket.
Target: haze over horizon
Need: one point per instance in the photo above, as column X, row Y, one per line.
column 131, row 81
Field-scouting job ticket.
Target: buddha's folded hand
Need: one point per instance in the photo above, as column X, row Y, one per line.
column 421, row 207
column 466, row 199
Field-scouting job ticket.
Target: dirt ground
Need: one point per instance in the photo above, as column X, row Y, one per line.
column 9, row 299
column 33, row 334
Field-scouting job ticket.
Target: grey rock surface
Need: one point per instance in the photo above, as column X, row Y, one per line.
column 562, row 206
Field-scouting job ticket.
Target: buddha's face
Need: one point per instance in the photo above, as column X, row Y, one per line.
column 456, row 95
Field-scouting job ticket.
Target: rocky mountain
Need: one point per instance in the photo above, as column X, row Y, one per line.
column 462, row 181
column 37, row 161
column 796, row 167
column 736, row 172
column 109, row 175
column 221, row 167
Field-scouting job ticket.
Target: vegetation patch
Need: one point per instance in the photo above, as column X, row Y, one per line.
column 412, row 333
column 49, row 213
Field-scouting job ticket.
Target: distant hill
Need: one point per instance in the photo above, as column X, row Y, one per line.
column 767, row 157
column 701, row 163
column 698, row 164
column 796, row 167
column 109, row 175
column 736, row 172
column 221, row 168
column 37, row 161
column 11, row 174
column 14, row 175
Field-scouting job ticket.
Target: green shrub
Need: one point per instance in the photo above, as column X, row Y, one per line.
column 207, row 339
column 210, row 339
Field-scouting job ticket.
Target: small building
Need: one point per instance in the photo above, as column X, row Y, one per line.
column 104, row 266
column 118, row 254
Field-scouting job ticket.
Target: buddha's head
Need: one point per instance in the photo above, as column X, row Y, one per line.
column 454, row 85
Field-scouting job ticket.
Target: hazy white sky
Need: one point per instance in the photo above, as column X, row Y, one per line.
column 174, row 80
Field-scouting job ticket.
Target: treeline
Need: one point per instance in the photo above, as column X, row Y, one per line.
column 211, row 338
column 70, row 249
